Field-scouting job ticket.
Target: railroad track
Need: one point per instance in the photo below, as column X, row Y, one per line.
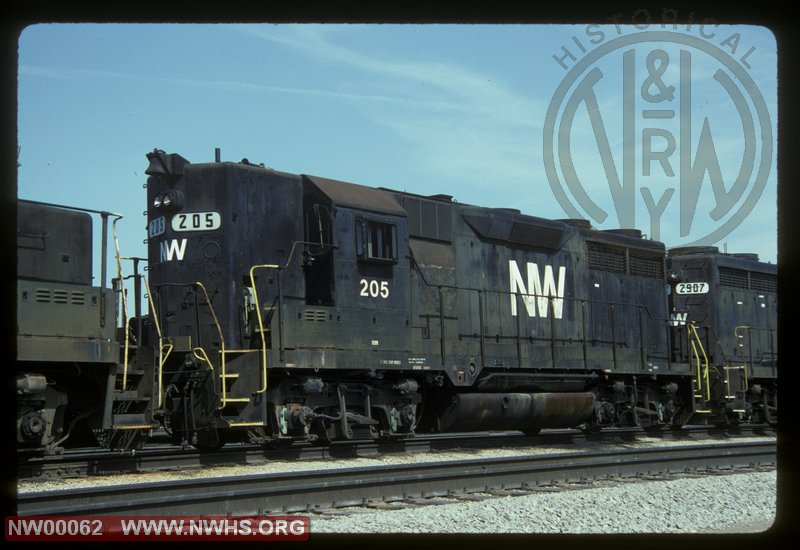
column 166, row 457
column 306, row 491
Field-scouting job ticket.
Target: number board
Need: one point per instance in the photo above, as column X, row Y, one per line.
column 156, row 227
column 196, row 221
column 691, row 288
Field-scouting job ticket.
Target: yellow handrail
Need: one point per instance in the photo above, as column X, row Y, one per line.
column 162, row 359
column 204, row 357
column 200, row 353
column 697, row 362
column 693, row 330
column 213, row 315
column 261, row 322
column 152, row 306
column 125, row 360
column 222, row 373
column 161, row 345
column 126, row 320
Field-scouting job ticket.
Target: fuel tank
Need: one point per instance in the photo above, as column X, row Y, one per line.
column 515, row 411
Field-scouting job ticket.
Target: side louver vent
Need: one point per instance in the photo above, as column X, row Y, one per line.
column 315, row 315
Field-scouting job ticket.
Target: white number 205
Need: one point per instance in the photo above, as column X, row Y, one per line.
column 197, row 221
column 374, row 289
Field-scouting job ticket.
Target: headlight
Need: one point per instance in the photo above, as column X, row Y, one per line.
column 171, row 200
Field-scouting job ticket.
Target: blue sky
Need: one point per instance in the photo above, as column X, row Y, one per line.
column 454, row 109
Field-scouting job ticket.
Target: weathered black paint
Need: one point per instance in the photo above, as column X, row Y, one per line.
column 380, row 313
column 373, row 286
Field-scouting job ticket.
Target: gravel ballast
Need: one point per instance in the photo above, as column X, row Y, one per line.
column 30, row 486
column 732, row 503
column 725, row 503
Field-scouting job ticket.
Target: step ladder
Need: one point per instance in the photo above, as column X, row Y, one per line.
column 130, row 407
column 231, row 404
column 229, row 401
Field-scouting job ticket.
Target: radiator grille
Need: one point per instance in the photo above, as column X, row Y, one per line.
column 767, row 282
column 729, row 276
column 605, row 258
column 753, row 280
column 646, row 266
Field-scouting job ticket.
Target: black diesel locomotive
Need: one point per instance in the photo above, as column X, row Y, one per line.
column 291, row 307
column 298, row 307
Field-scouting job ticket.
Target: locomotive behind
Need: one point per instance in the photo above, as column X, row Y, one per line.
column 73, row 386
column 293, row 307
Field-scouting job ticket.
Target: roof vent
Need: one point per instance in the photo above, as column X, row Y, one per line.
column 627, row 232
column 441, row 197
column 577, row 222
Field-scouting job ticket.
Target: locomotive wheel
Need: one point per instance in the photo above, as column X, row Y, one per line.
column 323, row 437
column 207, row 439
column 279, row 444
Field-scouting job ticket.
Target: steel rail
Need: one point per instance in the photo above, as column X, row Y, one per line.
column 159, row 457
column 309, row 490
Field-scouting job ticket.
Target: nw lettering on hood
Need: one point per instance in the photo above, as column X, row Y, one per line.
column 538, row 292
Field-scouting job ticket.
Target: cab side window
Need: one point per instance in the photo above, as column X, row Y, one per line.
column 376, row 241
